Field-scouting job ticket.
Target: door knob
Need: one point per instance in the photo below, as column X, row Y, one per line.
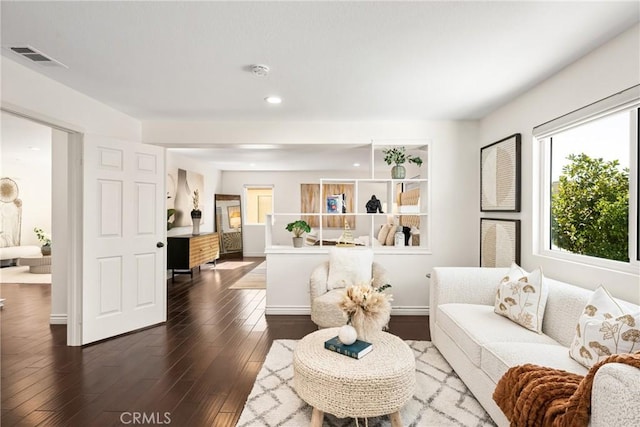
column 159, row 245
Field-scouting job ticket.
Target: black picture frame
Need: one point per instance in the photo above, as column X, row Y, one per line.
column 499, row 242
column 500, row 175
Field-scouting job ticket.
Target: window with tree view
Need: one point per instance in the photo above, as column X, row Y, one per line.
column 591, row 208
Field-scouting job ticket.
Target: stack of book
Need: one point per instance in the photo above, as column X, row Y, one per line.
column 356, row 350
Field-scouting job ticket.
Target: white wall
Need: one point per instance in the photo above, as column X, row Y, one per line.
column 211, row 186
column 612, row 67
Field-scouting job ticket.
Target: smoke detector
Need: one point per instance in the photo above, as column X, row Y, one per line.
column 260, row 70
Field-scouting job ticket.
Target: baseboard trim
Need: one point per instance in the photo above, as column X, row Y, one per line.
column 58, row 319
column 288, row 310
column 283, row 310
column 410, row 311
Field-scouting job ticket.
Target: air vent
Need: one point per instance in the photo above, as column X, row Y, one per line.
column 37, row 56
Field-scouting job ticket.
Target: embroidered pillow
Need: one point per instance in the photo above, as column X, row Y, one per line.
column 522, row 297
column 391, row 236
column 348, row 267
column 604, row 328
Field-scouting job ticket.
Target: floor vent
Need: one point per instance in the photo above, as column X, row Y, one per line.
column 35, row 55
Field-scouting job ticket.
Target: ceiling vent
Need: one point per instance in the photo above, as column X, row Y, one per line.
column 35, row 55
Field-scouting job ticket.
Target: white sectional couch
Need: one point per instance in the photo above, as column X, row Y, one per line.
column 481, row 345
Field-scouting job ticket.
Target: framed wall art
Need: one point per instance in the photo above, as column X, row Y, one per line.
column 499, row 242
column 500, row 175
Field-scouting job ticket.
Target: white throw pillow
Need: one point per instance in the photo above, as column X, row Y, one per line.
column 349, row 266
column 604, row 328
column 382, row 234
column 522, row 297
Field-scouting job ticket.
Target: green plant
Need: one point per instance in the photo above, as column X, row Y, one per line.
column 298, row 227
column 170, row 213
column 44, row 238
column 399, row 156
column 590, row 208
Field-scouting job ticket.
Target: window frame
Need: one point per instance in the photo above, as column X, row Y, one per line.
column 542, row 139
column 246, row 189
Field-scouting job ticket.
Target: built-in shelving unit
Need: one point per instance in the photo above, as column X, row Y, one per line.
column 405, row 202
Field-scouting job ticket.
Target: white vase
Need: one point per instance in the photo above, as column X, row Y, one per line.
column 196, row 226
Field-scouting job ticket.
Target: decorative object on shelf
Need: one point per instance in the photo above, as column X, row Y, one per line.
column 298, row 228
column 346, row 239
column 499, row 242
column 500, row 167
column 181, row 184
column 196, row 214
column 398, row 237
column 45, row 241
column 374, row 205
column 368, row 309
column 398, row 156
column 347, row 334
column 335, row 204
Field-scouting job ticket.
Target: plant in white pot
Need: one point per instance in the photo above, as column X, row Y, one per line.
column 196, row 213
column 399, row 156
column 298, row 228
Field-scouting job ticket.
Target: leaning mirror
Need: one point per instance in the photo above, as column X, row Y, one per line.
column 228, row 224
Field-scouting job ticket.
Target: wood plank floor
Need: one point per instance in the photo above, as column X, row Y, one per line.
column 195, row 370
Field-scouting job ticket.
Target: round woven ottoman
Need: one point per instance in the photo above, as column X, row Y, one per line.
column 378, row 384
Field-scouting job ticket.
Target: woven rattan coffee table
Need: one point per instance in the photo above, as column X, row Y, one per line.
column 378, row 384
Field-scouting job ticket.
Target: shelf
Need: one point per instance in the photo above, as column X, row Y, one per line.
column 355, row 193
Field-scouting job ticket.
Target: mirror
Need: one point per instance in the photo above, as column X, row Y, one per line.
column 228, row 224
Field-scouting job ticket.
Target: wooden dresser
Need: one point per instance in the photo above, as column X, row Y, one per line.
column 185, row 252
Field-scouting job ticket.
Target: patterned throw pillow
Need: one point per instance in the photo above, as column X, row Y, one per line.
column 522, row 297
column 605, row 328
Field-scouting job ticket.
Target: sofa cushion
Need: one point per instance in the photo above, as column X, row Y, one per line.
column 604, row 328
column 522, row 298
column 472, row 326
column 498, row 357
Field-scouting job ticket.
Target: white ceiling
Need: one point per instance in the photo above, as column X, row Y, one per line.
column 330, row 61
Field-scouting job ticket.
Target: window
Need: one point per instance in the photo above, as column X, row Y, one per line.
column 259, row 201
column 589, row 191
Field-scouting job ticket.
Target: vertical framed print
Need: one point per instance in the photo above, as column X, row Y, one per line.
column 499, row 242
column 500, row 175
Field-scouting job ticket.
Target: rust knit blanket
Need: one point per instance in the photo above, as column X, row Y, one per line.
column 531, row 395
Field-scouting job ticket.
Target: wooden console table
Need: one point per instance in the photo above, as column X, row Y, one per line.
column 185, row 252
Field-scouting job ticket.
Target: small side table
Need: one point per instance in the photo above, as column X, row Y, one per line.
column 380, row 383
column 37, row 264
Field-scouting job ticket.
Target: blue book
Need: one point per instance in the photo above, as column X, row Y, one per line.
column 356, row 350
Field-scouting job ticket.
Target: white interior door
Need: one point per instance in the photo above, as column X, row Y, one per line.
column 124, row 283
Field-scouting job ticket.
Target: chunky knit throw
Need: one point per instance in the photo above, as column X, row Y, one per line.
column 531, row 395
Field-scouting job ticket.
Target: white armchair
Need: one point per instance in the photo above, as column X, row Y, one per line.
column 324, row 302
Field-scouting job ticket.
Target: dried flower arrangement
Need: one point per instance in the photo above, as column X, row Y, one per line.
column 367, row 309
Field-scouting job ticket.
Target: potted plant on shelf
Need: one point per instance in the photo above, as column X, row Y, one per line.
column 399, row 156
column 196, row 213
column 298, row 228
column 45, row 241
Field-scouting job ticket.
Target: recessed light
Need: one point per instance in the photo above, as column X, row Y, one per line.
column 273, row 99
column 252, row 164
column 357, row 165
column 34, row 148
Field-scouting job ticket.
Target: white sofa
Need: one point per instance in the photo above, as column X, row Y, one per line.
column 9, row 254
column 481, row 345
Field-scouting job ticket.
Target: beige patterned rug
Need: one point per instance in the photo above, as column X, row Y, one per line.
column 441, row 398
column 255, row 279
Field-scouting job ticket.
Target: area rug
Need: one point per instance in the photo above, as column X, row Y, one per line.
column 255, row 279
column 20, row 274
column 441, row 398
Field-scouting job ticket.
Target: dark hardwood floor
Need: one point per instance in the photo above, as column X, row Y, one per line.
column 195, row 370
